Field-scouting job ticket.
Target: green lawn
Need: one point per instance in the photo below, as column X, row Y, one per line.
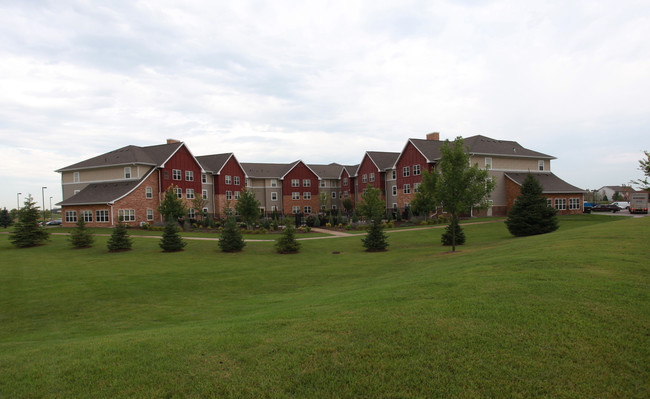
column 565, row 314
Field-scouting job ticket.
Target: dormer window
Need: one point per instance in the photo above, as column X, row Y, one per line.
column 75, row 177
column 127, row 172
column 540, row 164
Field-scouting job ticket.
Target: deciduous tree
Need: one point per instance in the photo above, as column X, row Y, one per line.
column 644, row 166
column 461, row 187
column 425, row 199
column 248, row 207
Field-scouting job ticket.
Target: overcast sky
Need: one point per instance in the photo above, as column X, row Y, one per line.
column 276, row 81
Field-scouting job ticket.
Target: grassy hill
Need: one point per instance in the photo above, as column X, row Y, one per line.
column 559, row 315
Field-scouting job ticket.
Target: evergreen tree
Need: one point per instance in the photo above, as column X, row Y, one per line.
column 172, row 207
column 231, row 239
column 27, row 232
column 171, row 240
column 5, row 218
column 530, row 215
column 453, row 228
column 120, row 239
column 80, row 236
column 376, row 239
column 287, row 243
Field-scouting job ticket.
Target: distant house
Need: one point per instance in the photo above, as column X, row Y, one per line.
column 610, row 191
column 127, row 184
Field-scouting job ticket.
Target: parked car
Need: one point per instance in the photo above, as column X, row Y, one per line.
column 622, row 204
column 55, row 222
column 606, row 208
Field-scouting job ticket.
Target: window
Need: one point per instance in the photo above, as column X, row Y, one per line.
column 540, row 164
column 127, row 172
column 274, row 182
column 307, row 209
column 306, row 195
column 76, row 192
column 394, row 174
column 295, row 182
column 322, row 183
column 372, row 177
column 549, row 202
column 560, row 204
column 87, row 216
column 333, row 194
column 237, row 193
column 150, row 214
column 179, row 192
column 189, row 175
column 295, row 210
column 126, row 215
column 574, row 203
column 237, row 180
column 394, row 205
column 228, row 195
column 71, row 216
column 204, row 194
column 176, row 174
column 416, row 170
column 416, row 187
column 228, row 179
column 274, row 196
column 333, row 207
column 306, row 183
column 407, row 189
column 406, row 171
column 274, row 208
column 345, row 194
column 166, row 175
column 189, row 193
column 488, row 163
column 394, row 190
column 295, row 195
column 148, row 192
column 205, row 211
column 364, row 179
column 204, row 178
column 101, row 216
column 75, row 177
column 191, row 213
column 345, row 181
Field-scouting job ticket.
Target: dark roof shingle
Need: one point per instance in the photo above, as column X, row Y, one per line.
column 550, row 182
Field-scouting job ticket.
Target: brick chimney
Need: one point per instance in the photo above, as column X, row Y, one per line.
column 435, row 136
column 172, row 141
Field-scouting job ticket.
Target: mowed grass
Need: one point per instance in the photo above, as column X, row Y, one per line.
column 559, row 315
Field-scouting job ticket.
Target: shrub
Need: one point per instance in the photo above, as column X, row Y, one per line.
column 231, row 239
column 171, row 241
column 80, row 236
column 287, row 243
column 119, row 240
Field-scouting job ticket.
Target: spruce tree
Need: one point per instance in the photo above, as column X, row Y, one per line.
column 231, row 239
column 530, row 215
column 5, row 218
column 453, row 228
column 119, row 240
column 375, row 240
column 80, row 236
column 171, row 240
column 28, row 233
column 287, row 243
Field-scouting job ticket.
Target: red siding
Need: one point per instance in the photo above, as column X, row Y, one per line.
column 366, row 168
column 409, row 157
column 300, row 172
column 184, row 161
column 232, row 169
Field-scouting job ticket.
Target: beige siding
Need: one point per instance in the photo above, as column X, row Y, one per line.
column 511, row 164
column 105, row 174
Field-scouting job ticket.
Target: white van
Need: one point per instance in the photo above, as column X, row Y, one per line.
column 622, row 204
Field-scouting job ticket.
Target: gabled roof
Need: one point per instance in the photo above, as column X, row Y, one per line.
column 214, row 163
column 102, row 193
column 331, row 171
column 430, row 149
column 155, row 155
column 383, row 160
column 487, row 146
column 551, row 183
column 351, row 169
column 267, row 170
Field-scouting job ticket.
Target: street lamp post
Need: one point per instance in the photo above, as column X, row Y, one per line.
column 43, row 193
column 50, row 208
column 18, row 201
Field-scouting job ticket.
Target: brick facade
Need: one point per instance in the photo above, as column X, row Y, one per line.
column 513, row 190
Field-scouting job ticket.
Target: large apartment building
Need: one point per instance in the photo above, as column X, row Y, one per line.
column 128, row 183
